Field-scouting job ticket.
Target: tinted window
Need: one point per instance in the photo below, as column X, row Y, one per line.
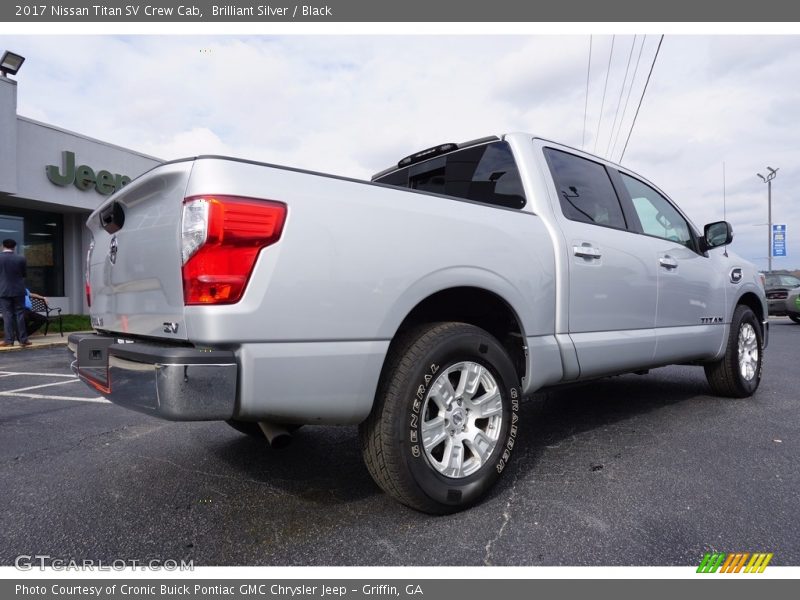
column 656, row 214
column 398, row 178
column 485, row 173
column 40, row 238
column 584, row 190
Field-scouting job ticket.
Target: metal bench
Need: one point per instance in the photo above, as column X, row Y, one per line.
column 50, row 314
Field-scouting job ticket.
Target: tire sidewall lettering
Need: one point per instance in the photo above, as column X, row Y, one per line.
column 509, row 428
column 512, row 431
column 416, row 406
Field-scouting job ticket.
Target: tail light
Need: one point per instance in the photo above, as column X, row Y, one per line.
column 221, row 237
column 87, row 281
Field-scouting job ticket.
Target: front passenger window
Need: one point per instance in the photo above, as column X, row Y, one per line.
column 656, row 214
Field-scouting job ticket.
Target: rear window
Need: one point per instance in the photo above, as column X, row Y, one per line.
column 485, row 173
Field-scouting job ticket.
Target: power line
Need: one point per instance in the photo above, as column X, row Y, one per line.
column 586, row 104
column 619, row 100
column 628, row 97
column 642, row 98
column 605, row 87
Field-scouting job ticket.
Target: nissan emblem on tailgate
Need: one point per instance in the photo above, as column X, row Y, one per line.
column 112, row 251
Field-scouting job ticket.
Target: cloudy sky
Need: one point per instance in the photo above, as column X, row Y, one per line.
column 353, row 105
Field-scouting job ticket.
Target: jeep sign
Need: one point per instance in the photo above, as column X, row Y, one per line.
column 84, row 177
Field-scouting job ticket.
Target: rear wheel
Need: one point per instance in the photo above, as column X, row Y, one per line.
column 795, row 318
column 445, row 418
column 738, row 373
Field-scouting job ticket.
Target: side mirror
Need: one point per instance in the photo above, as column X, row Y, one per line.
column 716, row 234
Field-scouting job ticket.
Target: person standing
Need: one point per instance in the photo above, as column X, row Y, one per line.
column 12, row 293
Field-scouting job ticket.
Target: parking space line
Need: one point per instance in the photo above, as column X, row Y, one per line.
column 24, row 392
column 99, row 399
column 42, row 385
column 12, row 373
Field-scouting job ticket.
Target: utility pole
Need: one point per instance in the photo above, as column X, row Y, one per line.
column 768, row 180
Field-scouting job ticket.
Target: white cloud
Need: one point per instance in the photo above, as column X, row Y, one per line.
column 352, row 105
column 194, row 142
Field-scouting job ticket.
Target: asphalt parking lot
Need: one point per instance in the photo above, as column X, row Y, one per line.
column 633, row 470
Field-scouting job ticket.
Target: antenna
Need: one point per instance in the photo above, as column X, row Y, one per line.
column 724, row 203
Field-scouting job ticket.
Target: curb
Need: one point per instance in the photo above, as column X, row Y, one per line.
column 53, row 342
column 16, row 348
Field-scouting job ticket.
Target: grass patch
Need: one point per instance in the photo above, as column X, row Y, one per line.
column 71, row 323
column 74, row 323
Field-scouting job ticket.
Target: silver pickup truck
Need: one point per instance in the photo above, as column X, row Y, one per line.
column 423, row 305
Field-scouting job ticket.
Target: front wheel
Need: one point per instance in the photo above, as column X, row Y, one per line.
column 738, row 373
column 445, row 418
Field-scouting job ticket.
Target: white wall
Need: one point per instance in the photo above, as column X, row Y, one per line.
column 39, row 145
column 8, row 135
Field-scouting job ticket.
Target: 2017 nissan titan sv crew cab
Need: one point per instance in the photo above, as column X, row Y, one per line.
column 422, row 305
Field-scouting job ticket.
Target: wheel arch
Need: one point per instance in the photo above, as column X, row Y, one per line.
column 474, row 305
column 755, row 304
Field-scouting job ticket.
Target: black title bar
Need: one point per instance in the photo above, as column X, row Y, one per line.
column 440, row 11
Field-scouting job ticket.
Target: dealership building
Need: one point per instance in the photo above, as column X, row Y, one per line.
column 50, row 181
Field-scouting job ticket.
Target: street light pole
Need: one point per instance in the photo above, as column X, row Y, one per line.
column 768, row 180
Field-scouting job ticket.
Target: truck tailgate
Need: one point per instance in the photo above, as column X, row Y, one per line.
column 134, row 266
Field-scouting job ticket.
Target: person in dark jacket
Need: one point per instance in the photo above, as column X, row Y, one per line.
column 12, row 294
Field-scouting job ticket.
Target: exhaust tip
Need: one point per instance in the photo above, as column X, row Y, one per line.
column 280, row 441
column 277, row 435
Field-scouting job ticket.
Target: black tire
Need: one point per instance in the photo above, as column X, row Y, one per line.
column 411, row 394
column 251, row 428
column 795, row 318
column 726, row 376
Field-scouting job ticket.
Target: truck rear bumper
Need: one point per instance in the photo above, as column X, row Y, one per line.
column 172, row 382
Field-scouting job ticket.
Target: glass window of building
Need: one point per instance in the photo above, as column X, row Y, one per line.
column 40, row 239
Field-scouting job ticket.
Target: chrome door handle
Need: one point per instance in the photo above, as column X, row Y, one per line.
column 668, row 262
column 586, row 251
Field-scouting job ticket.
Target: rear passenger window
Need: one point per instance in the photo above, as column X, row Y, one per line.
column 584, row 190
column 485, row 173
